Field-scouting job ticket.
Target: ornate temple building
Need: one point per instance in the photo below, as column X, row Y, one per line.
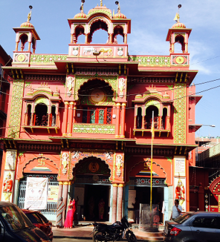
column 82, row 121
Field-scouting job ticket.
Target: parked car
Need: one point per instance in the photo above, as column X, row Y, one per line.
column 193, row 227
column 40, row 221
column 16, row 227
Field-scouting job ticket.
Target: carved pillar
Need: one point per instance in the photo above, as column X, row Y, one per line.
column 110, row 38
column 70, row 119
column 86, row 38
column 135, row 117
column 65, row 119
column 123, row 120
column 71, row 40
column 114, row 202
column 143, row 117
column 74, row 113
column 16, row 46
column 125, row 39
column 117, row 129
column 60, row 192
column 119, row 204
column 65, row 196
column 16, row 191
column 29, row 46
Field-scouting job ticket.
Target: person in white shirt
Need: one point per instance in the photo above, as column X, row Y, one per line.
column 176, row 210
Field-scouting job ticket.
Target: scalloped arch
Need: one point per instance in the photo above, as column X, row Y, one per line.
column 96, row 19
column 95, row 156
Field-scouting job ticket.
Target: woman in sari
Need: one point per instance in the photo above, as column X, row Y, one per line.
column 70, row 214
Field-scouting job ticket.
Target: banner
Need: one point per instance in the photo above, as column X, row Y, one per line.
column 36, row 193
column 53, row 194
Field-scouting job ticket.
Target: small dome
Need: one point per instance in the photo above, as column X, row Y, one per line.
column 27, row 25
column 179, row 25
column 119, row 15
column 80, row 15
column 100, row 9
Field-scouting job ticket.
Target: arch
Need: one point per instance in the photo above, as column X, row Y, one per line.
column 75, row 166
column 164, row 118
column 42, row 100
column 113, row 87
column 41, row 115
column 118, row 30
column 96, row 24
column 29, row 107
column 148, row 117
column 23, row 38
column 180, row 39
column 157, row 168
column 79, row 30
column 139, row 118
column 30, row 162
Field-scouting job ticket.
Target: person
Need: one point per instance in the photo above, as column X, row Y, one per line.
column 176, row 210
column 60, row 210
column 101, row 209
column 136, row 210
column 70, row 214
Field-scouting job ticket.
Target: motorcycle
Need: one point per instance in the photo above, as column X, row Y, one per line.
column 114, row 232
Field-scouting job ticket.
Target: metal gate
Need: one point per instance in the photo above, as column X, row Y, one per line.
column 50, row 211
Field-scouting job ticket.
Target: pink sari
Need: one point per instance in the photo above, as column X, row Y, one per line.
column 70, row 215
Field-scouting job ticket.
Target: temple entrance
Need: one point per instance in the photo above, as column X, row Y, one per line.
column 96, row 203
column 92, row 190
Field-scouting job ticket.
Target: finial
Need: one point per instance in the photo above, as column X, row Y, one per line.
column 29, row 15
column 82, row 5
column 119, row 8
column 101, row 4
column 177, row 16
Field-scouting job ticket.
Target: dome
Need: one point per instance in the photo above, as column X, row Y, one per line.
column 100, row 9
column 80, row 15
column 119, row 15
column 27, row 25
column 179, row 25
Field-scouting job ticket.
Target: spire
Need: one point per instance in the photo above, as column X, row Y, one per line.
column 82, row 6
column 101, row 4
column 177, row 16
column 29, row 15
column 119, row 8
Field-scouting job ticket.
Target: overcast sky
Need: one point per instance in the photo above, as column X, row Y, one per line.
column 150, row 23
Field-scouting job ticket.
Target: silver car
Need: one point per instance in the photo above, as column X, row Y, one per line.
column 193, row 227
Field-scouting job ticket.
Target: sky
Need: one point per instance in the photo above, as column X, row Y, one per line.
column 150, row 21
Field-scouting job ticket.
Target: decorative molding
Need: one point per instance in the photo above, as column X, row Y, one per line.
column 47, row 58
column 45, row 77
column 180, row 113
column 147, row 151
column 15, row 110
column 94, row 128
column 151, row 60
column 150, row 80
column 40, row 147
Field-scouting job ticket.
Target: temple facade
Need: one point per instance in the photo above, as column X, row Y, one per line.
column 83, row 120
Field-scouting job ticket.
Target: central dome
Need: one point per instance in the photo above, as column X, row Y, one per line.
column 100, row 9
column 80, row 15
column 179, row 25
column 27, row 25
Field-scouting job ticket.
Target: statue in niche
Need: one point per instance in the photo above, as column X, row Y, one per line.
column 70, row 84
column 7, row 187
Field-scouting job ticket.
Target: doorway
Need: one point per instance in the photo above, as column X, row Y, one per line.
column 96, row 198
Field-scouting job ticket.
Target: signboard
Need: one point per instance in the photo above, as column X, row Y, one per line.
column 180, row 166
column 36, row 193
column 93, row 146
column 52, row 194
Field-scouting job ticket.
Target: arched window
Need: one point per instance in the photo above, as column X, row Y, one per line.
column 29, row 115
column 24, row 39
column 79, row 32
column 179, row 44
column 41, row 115
column 148, row 117
column 102, row 33
column 139, row 118
column 118, row 36
column 164, row 118
column 53, row 116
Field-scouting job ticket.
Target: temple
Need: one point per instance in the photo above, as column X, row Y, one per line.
column 83, row 119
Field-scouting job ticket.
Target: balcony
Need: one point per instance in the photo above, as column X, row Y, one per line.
column 47, row 122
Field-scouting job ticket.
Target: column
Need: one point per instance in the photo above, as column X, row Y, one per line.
column 65, row 196
column 16, row 191
column 70, row 119
column 65, row 119
column 117, row 129
column 123, row 120
column 86, row 38
column 143, row 117
column 16, row 46
column 60, row 192
column 119, row 202
column 114, row 202
column 125, row 39
column 110, row 38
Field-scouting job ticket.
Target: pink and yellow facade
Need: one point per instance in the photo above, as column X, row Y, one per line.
column 83, row 119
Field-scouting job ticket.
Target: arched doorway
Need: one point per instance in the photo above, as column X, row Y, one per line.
column 92, row 189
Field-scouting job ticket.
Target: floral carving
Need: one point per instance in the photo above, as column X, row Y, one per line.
column 70, row 84
column 119, row 163
column 121, row 87
column 65, row 162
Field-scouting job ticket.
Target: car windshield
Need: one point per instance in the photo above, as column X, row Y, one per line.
column 182, row 218
column 43, row 218
column 15, row 218
column 34, row 218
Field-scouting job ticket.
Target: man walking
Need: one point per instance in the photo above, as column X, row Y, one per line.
column 176, row 210
column 60, row 209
